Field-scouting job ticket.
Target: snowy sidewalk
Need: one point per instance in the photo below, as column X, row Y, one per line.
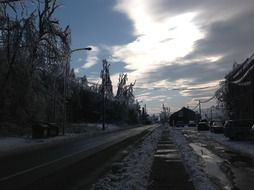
column 168, row 170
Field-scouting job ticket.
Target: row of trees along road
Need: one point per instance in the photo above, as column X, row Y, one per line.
column 34, row 61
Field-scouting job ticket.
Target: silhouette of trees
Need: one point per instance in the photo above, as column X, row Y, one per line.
column 36, row 81
column 236, row 92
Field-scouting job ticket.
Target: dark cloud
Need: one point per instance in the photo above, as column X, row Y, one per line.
column 234, row 37
column 198, row 72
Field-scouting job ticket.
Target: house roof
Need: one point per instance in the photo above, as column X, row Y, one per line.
column 184, row 109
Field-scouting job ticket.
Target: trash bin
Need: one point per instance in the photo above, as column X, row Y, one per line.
column 53, row 130
column 40, row 130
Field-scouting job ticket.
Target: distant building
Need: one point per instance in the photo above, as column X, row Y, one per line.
column 184, row 115
column 239, row 87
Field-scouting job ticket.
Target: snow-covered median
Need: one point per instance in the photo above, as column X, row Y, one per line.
column 133, row 171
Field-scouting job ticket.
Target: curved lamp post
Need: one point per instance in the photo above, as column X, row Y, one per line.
column 65, row 79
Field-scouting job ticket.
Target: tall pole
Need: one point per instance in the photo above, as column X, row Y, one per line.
column 103, row 104
column 211, row 113
column 65, row 93
column 199, row 106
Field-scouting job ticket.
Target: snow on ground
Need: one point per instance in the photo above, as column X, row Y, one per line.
column 10, row 145
column 193, row 163
column 92, row 128
column 132, row 173
column 245, row 147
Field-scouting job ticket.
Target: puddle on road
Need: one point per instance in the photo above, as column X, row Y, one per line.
column 169, row 157
column 231, row 168
column 212, row 165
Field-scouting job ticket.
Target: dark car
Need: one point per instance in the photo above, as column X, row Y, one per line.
column 238, row 129
column 179, row 124
column 217, row 127
column 203, row 126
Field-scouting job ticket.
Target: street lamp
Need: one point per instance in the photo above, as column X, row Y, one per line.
column 65, row 79
column 80, row 49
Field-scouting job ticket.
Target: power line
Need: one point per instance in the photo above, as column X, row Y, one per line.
column 208, row 100
column 195, row 107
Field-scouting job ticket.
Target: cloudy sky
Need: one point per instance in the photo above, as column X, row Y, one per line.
column 177, row 50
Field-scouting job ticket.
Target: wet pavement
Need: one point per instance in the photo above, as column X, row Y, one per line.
column 212, row 166
column 168, row 171
column 227, row 168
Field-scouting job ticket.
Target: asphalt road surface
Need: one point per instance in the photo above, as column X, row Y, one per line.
column 63, row 165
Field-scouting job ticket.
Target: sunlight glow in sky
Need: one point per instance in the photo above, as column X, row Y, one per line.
column 158, row 41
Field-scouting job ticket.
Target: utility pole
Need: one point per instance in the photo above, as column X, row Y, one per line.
column 65, row 87
column 103, row 105
column 199, row 106
column 106, row 88
column 211, row 113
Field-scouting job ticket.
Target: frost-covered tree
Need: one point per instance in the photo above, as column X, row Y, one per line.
column 106, row 84
column 34, row 61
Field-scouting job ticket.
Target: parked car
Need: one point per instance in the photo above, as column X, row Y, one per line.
column 203, row 126
column 252, row 132
column 238, row 129
column 192, row 124
column 217, row 127
column 179, row 124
